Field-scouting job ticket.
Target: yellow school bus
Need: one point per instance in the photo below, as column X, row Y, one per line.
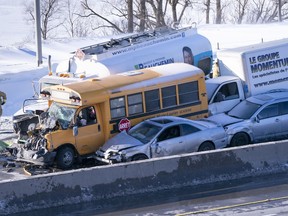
column 90, row 112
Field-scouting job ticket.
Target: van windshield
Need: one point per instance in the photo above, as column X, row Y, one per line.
column 61, row 113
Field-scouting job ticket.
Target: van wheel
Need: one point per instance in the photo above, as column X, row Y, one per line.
column 240, row 139
column 65, row 158
column 139, row 157
column 206, row 146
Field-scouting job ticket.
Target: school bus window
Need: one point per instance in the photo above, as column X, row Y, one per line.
column 117, row 107
column 169, row 96
column 152, row 100
column 86, row 116
column 188, row 92
column 135, row 104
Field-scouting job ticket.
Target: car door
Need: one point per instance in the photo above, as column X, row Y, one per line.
column 225, row 98
column 169, row 142
column 283, row 118
column 267, row 125
column 187, row 142
column 90, row 135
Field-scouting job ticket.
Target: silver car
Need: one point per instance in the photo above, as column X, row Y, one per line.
column 162, row 136
column 259, row 118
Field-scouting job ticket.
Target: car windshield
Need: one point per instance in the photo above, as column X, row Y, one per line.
column 144, row 132
column 64, row 114
column 244, row 110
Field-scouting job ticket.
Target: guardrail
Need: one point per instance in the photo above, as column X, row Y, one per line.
column 104, row 183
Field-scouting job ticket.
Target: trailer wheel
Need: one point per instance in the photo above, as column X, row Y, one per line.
column 139, row 157
column 240, row 139
column 65, row 158
column 206, row 146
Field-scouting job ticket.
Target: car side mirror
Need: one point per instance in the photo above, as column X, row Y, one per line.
column 75, row 131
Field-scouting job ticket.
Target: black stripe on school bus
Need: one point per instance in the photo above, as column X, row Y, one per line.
column 115, row 126
column 156, row 111
column 116, row 121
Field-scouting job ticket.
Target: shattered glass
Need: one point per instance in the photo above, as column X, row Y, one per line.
column 59, row 113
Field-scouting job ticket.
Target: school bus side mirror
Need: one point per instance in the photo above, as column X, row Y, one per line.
column 75, row 130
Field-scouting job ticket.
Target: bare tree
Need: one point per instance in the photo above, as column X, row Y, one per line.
column 218, row 12
column 107, row 22
column 130, row 15
column 266, row 11
column 284, row 9
column 157, row 7
column 50, row 15
column 207, row 4
column 142, row 15
column 73, row 24
column 240, row 8
column 135, row 14
column 258, row 7
column 183, row 4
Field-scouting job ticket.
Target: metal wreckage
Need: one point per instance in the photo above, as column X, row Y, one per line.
column 34, row 148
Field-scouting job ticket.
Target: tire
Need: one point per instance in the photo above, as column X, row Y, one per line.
column 65, row 158
column 139, row 157
column 206, row 146
column 240, row 139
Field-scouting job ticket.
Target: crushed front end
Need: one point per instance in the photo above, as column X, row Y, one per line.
column 110, row 157
column 35, row 148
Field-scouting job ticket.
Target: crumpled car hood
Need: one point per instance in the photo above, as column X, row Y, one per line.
column 224, row 119
column 120, row 141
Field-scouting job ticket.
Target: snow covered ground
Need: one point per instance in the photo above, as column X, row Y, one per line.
column 18, row 64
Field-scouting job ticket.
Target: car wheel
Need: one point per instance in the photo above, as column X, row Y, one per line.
column 206, row 146
column 239, row 139
column 139, row 157
column 65, row 158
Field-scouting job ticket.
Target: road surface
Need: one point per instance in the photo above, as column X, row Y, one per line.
column 262, row 196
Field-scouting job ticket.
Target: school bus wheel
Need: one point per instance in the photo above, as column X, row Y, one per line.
column 65, row 157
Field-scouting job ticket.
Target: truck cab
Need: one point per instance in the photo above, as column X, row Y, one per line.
column 224, row 93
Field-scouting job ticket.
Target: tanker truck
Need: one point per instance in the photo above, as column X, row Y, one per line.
column 138, row 51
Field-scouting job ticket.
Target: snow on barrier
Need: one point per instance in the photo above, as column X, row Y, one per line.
column 105, row 183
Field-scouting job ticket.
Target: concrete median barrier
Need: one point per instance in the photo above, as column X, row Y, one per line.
column 103, row 183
